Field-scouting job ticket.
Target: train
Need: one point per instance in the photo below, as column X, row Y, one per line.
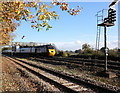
column 42, row 50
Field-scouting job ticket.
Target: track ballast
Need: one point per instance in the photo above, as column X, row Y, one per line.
column 66, row 82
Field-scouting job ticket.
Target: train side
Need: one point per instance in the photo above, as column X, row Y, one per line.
column 45, row 50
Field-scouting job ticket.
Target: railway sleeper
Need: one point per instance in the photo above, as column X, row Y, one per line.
column 70, row 88
column 97, row 87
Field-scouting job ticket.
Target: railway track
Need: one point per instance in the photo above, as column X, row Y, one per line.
column 115, row 65
column 99, row 63
column 110, row 62
column 77, row 63
column 63, row 81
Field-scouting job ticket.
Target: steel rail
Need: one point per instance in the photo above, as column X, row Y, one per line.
column 77, row 62
column 75, row 79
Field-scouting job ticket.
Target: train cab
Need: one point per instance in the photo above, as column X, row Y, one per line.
column 51, row 50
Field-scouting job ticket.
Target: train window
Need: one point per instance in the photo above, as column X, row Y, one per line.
column 50, row 47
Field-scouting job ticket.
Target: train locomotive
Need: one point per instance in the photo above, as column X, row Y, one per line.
column 43, row 50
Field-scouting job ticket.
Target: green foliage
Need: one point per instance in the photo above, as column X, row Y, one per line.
column 78, row 51
column 113, row 54
column 103, row 49
column 86, row 49
column 62, row 54
column 85, row 46
column 88, row 52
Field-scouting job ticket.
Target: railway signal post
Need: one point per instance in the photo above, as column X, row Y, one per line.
column 106, row 51
column 108, row 22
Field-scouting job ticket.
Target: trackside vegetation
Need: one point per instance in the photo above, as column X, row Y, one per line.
column 90, row 53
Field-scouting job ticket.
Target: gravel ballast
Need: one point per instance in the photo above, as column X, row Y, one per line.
column 16, row 79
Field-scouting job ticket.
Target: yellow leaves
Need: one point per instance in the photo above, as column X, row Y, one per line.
column 40, row 17
column 4, row 30
column 12, row 17
column 22, row 5
column 55, row 16
column 47, row 16
column 42, row 10
column 64, row 7
column 46, row 13
column 42, row 6
column 17, row 18
column 27, row 11
column 39, row 11
column 31, row 16
column 32, row 25
column 13, row 12
column 5, row 37
column 46, row 24
column 31, row 4
column 17, row 11
column 48, row 6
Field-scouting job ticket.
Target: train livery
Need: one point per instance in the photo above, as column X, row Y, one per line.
column 43, row 50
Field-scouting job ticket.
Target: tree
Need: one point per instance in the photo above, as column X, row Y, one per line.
column 85, row 46
column 12, row 13
column 78, row 51
column 103, row 49
column 87, row 49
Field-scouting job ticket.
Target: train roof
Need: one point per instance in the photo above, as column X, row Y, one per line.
column 35, row 46
column 29, row 43
column 28, row 46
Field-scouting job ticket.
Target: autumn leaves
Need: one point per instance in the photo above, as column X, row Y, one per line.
column 12, row 13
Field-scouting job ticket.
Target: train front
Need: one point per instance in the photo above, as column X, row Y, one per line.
column 51, row 50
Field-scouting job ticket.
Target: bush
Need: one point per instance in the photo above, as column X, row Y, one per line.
column 62, row 53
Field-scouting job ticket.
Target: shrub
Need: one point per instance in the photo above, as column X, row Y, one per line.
column 62, row 53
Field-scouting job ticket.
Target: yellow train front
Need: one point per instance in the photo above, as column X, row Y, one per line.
column 51, row 50
column 45, row 50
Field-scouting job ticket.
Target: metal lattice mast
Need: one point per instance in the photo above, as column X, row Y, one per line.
column 98, row 30
column 100, row 19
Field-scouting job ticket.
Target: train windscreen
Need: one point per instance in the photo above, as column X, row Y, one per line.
column 50, row 47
